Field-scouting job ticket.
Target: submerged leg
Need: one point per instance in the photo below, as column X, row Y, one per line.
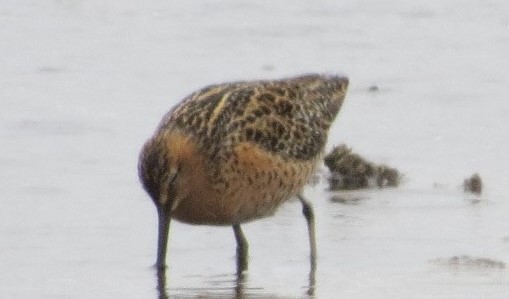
column 307, row 210
column 161, row 284
column 242, row 249
column 164, row 228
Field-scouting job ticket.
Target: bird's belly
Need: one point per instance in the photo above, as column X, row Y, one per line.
column 250, row 186
column 241, row 207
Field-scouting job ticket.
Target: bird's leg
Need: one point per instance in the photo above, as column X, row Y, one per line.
column 164, row 228
column 242, row 249
column 307, row 210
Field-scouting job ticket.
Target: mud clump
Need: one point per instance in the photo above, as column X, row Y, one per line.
column 473, row 184
column 350, row 171
column 466, row 261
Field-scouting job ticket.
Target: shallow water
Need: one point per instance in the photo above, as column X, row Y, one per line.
column 84, row 83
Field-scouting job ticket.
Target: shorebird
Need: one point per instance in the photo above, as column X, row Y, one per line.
column 234, row 152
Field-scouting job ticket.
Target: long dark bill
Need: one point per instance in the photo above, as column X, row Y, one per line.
column 162, row 242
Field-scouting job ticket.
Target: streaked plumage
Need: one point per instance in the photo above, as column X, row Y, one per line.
column 234, row 152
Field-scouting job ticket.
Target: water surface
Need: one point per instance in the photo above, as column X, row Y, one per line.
column 84, row 83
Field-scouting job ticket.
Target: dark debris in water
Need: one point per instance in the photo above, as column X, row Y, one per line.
column 373, row 88
column 350, row 171
column 465, row 261
column 473, row 184
column 346, row 200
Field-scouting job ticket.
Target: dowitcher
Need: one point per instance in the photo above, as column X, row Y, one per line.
column 234, row 152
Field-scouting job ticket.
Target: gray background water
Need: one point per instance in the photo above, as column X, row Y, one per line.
column 84, row 83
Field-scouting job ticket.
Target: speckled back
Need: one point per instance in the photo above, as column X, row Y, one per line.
column 289, row 118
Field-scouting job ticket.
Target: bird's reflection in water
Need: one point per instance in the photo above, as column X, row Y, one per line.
column 238, row 290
